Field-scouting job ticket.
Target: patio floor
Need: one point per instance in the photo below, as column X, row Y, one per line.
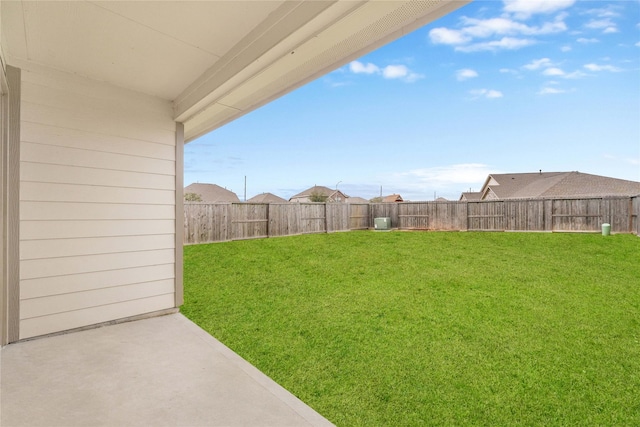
column 161, row 371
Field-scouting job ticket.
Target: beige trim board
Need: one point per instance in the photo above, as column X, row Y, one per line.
column 11, row 194
column 179, row 218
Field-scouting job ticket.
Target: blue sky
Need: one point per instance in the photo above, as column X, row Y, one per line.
column 494, row 87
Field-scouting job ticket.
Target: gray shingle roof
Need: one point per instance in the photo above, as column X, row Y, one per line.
column 332, row 195
column 471, row 195
column 558, row 184
column 266, row 198
column 316, row 189
column 211, row 193
column 356, row 200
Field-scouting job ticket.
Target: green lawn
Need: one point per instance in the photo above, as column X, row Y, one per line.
column 397, row 328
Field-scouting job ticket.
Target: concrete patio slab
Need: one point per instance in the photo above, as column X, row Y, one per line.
column 161, row 371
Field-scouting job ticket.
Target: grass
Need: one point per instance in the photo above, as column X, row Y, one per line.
column 403, row 329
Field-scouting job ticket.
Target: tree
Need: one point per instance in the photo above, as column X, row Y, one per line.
column 317, row 197
column 192, row 197
column 376, row 200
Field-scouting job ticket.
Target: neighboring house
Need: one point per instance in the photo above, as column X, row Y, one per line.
column 470, row 195
column 98, row 101
column 332, row 196
column 356, row 200
column 266, row 198
column 555, row 184
column 211, row 193
column 392, row 198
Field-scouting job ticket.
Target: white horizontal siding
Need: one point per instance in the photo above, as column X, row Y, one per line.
column 90, row 316
column 56, row 155
column 53, row 192
column 48, row 286
column 40, row 210
column 37, row 230
column 64, row 174
column 80, row 300
column 55, row 248
column 47, row 267
column 72, row 138
column 97, row 203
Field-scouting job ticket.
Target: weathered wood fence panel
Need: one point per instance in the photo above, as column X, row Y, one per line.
column 358, row 216
column 635, row 215
column 284, row 219
column 231, row 221
column 204, row 222
column 313, row 218
column 486, row 216
column 524, row 215
column 249, row 221
column 413, row 216
column 448, row 216
column 337, row 217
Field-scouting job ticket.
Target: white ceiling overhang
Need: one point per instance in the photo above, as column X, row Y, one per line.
column 216, row 60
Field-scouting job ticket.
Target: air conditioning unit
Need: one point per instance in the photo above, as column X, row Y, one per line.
column 382, row 223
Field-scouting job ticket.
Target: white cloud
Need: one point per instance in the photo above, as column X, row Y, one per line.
column 466, row 74
column 486, row 93
column 553, row 71
column 586, row 41
column 606, row 25
column 395, row 71
column 596, row 67
column 575, row 75
column 459, row 176
column 607, row 12
column 484, row 28
column 508, row 71
column 447, row 36
column 525, row 8
column 538, row 63
column 358, row 67
column 389, row 72
column 513, row 34
column 550, row 91
column 400, row 72
column 506, row 43
column 565, row 48
column 637, row 44
column 598, row 24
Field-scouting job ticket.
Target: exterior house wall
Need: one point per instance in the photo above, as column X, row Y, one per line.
column 97, row 203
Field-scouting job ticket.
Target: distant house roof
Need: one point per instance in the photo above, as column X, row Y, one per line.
column 211, row 193
column 266, row 198
column 555, row 184
column 471, row 195
column 332, row 195
column 356, row 200
column 392, row 198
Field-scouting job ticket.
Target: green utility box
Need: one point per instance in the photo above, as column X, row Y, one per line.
column 382, row 223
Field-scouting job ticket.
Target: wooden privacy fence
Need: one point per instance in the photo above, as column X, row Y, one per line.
column 205, row 222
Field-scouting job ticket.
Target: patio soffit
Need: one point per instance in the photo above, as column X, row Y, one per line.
column 216, row 60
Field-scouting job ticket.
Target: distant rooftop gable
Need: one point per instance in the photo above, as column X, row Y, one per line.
column 555, row 184
column 471, row 195
column 357, row 200
column 392, row 198
column 266, row 198
column 331, row 195
column 212, row 193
